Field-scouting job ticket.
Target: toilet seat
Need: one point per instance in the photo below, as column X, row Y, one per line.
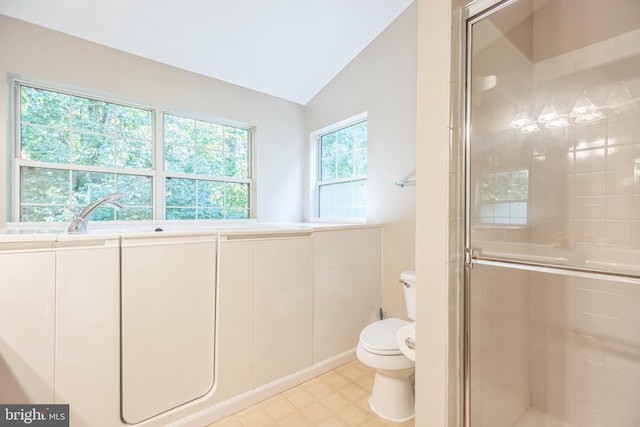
column 380, row 337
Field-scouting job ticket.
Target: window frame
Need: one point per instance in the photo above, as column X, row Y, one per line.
column 165, row 174
column 315, row 170
column 157, row 172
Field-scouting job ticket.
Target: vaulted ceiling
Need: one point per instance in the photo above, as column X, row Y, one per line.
column 286, row 48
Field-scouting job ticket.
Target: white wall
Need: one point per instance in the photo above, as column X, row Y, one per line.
column 382, row 82
column 437, row 215
column 30, row 51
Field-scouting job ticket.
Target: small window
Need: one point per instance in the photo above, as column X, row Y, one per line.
column 342, row 172
column 504, row 197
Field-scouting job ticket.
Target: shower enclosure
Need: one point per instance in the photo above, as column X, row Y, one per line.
column 552, row 277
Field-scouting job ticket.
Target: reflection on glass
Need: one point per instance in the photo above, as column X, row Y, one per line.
column 554, row 187
column 567, row 110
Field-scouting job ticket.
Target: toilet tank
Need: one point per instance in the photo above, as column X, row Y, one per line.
column 408, row 279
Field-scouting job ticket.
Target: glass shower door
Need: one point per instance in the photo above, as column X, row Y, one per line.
column 553, row 214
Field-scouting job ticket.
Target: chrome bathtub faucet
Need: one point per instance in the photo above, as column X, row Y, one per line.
column 80, row 220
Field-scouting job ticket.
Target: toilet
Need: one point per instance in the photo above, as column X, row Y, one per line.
column 392, row 395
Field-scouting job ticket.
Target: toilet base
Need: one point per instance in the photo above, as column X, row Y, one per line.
column 392, row 396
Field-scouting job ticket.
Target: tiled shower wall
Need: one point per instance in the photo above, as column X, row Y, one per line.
column 500, row 390
column 585, row 350
column 569, row 346
column 585, row 201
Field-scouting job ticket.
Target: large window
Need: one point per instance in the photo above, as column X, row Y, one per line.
column 342, row 172
column 72, row 149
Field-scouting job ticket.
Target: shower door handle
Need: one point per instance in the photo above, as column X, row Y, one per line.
column 468, row 257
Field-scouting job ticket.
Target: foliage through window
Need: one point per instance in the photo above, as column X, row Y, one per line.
column 342, row 173
column 207, row 168
column 504, row 197
column 72, row 150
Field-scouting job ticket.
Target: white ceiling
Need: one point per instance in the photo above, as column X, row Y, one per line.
column 286, row 48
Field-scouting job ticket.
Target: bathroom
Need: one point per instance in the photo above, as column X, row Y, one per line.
column 410, row 137
column 47, row 57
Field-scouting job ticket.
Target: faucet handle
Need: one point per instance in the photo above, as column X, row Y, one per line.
column 75, row 212
column 79, row 220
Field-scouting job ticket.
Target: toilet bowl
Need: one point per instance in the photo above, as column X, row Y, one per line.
column 392, row 395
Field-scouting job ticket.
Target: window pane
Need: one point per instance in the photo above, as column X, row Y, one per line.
column 343, row 153
column 45, row 144
column 90, row 186
column 181, row 213
column 179, row 159
column 134, row 123
column 180, row 192
column 360, row 162
column 68, row 129
column 209, row 162
column 210, row 135
column 90, row 115
column 211, row 213
column 178, row 130
column 237, row 200
column 44, row 108
column 138, row 190
column 205, row 149
column 503, row 197
column 134, row 154
column 93, row 150
column 343, row 158
column 343, row 200
column 211, row 193
column 328, row 157
column 237, row 152
column 44, row 186
column 51, row 194
column 344, row 167
column 204, row 199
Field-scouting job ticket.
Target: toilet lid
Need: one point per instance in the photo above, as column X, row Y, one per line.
column 381, row 335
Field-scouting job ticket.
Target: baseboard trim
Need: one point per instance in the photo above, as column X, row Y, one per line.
column 250, row 398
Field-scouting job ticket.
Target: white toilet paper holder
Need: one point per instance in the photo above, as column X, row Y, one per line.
column 410, row 343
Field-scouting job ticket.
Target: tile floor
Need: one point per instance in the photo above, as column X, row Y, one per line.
column 338, row 398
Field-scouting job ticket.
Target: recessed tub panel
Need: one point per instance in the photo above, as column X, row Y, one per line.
column 168, row 322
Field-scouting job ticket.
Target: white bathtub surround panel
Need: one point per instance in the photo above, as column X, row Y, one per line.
column 27, row 310
column 283, row 304
column 234, row 343
column 88, row 331
column 71, row 299
column 168, row 321
column 347, row 291
column 85, row 300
